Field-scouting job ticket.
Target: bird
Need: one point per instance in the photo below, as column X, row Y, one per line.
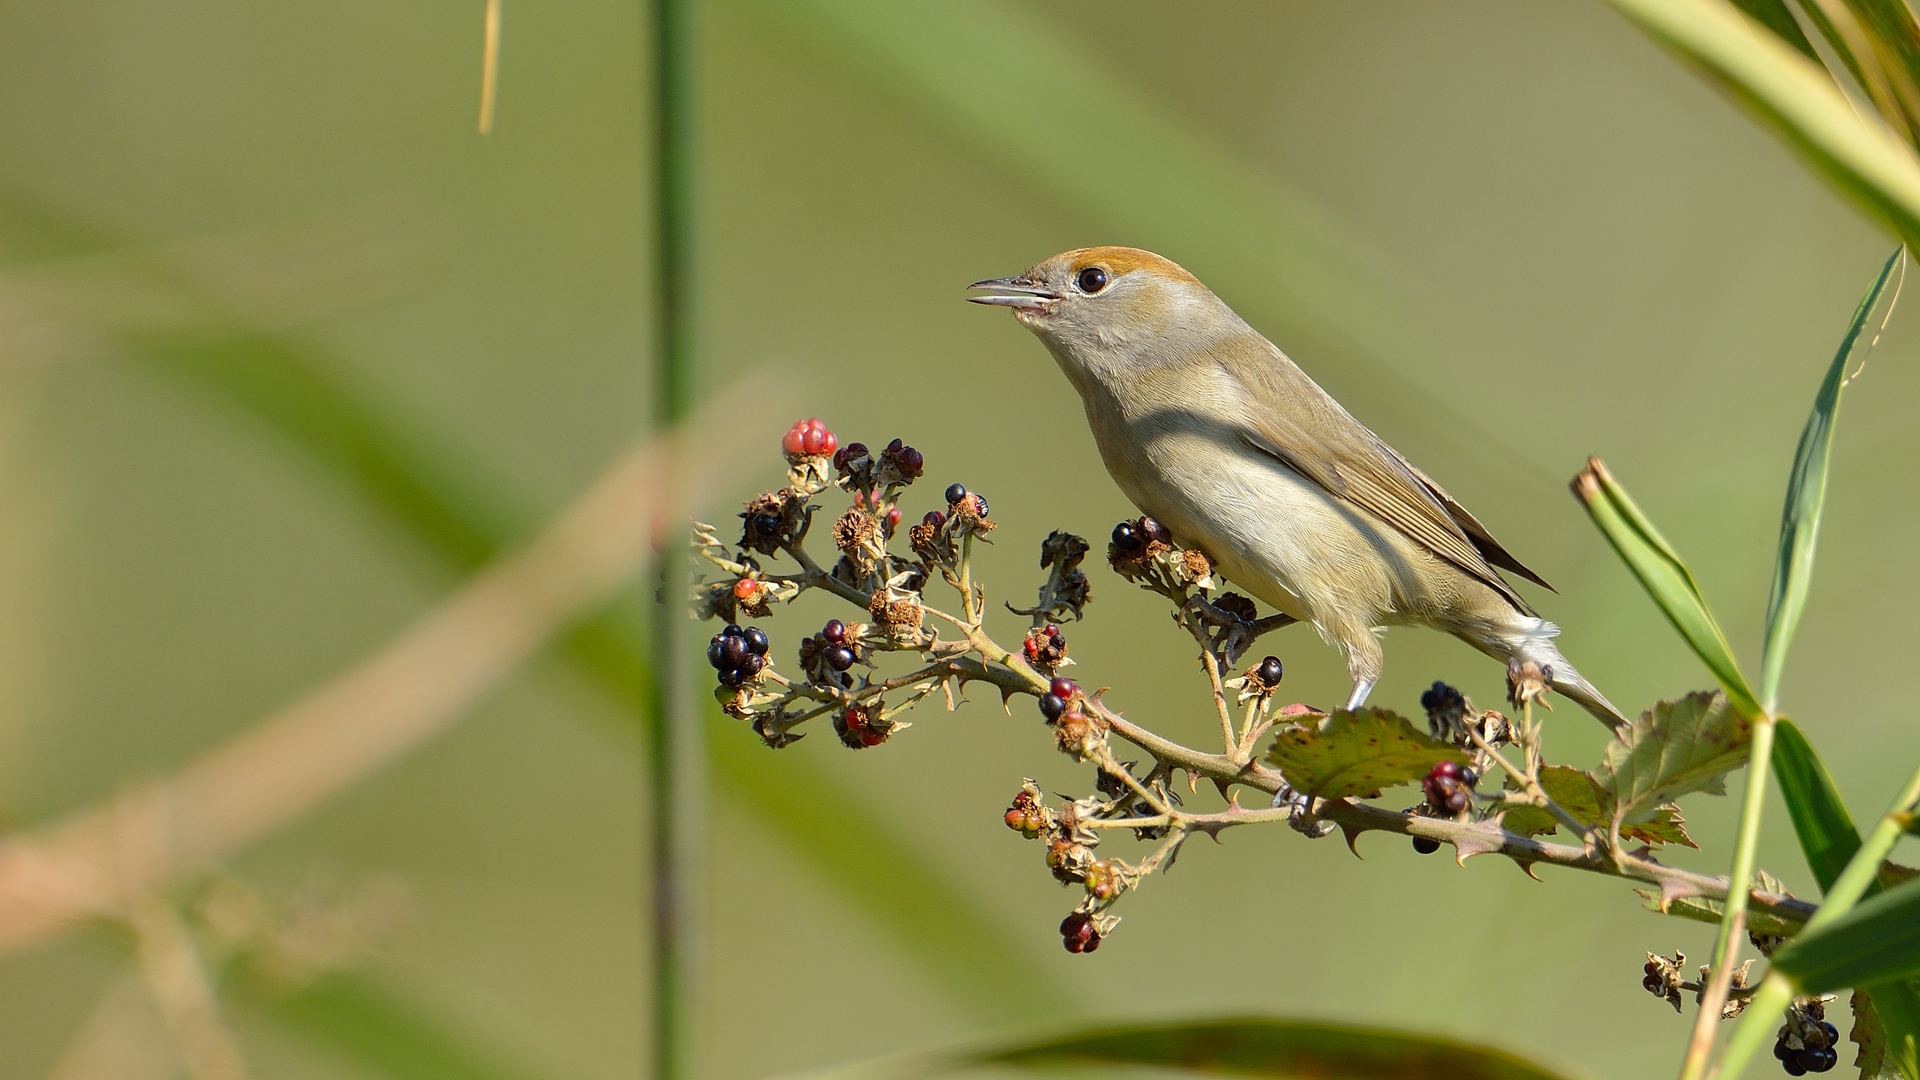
column 1211, row 430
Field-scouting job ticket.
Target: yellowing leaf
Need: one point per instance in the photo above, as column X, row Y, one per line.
column 1357, row 754
column 1581, row 796
column 1674, row 748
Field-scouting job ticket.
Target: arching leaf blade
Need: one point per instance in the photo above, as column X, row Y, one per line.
column 1807, row 488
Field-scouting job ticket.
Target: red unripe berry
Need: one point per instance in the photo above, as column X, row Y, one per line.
column 1063, row 688
column 1053, row 631
column 893, row 516
column 1017, row 819
column 816, row 439
column 934, row 518
column 1652, row 968
column 1032, row 649
column 745, row 588
column 794, row 442
column 1447, row 769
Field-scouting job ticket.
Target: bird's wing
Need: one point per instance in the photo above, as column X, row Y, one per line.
column 1351, row 462
column 1483, row 541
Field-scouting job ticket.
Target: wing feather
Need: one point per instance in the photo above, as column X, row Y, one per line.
column 1356, row 466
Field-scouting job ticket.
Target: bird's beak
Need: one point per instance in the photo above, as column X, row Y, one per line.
column 1018, row 293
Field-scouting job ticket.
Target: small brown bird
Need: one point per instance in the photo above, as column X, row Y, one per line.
column 1210, row 429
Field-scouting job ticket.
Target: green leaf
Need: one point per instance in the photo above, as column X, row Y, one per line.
column 1858, row 154
column 362, row 1023
column 1807, row 492
column 1870, row 1036
column 1353, row 754
column 1674, row 748
column 1665, row 577
column 1703, row 909
column 1898, row 1006
column 1580, row 795
column 1232, row 1046
column 1827, row 834
column 1877, row 941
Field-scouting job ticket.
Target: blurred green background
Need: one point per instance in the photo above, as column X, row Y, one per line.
column 1505, row 234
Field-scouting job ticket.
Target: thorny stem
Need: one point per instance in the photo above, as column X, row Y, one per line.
column 1538, row 794
column 986, row 661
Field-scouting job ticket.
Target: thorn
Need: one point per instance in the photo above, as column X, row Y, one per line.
column 1006, row 701
column 1224, row 788
column 1352, row 833
column 1526, row 867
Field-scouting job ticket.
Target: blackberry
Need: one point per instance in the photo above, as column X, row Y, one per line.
column 840, row 658
column 732, row 677
column 955, row 493
column 1154, row 532
column 713, row 653
column 734, row 650
column 1270, row 672
column 835, row 631
column 1051, row 706
column 1127, row 539
column 756, row 641
column 1425, row 846
column 1820, row 1060
column 752, row 665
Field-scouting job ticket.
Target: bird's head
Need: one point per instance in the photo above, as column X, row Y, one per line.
column 1107, row 308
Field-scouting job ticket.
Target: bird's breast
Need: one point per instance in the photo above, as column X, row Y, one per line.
column 1275, row 533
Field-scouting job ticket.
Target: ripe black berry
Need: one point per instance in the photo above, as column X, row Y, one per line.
column 734, row 650
column 756, row 641
column 1051, row 706
column 1425, row 846
column 1781, row 1051
column 714, row 654
column 1270, row 672
column 840, row 658
column 753, row 664
column 1654, row 983
column 934, row 518
column 1791, row 1063
column 835, row 631
column 1651, row 968
column 1468, row 777
column 1833, row 1033
column 1820, row 1060
column 1127, row 539
column 956, row 492
column 1154, row 532
column 732, row 677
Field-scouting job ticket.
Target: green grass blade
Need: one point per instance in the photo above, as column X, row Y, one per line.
column 1237, row 1046
column 1861, row 157
column 1773, row 15
column 1827, row 834
column 1665, row 577
column 1807, row 491
column 360, row 1022
column 1878, row 941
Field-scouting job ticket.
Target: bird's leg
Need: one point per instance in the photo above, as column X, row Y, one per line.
column 1361, row 689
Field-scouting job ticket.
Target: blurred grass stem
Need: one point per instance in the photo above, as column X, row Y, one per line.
column 676, row 758
column 490, row 66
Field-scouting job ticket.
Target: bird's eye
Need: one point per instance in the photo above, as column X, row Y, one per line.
column 1092, row 279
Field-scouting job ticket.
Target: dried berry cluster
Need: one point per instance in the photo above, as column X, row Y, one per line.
column 1321, row 768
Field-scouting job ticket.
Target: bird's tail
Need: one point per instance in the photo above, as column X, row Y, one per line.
column 1535, row 643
